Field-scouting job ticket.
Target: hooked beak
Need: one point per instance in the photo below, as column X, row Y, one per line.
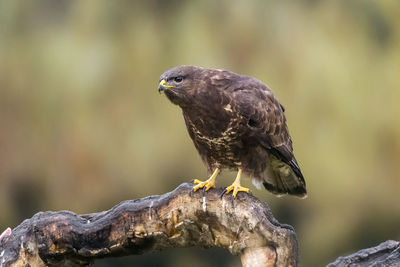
column 163, row 86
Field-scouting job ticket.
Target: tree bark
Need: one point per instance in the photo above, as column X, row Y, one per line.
column 181, row 218
column 385, row 254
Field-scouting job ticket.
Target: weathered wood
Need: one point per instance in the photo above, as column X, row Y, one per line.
column 181, row 218
column 385, row 254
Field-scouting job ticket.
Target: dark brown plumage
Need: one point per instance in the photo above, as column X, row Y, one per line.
column 236, row 122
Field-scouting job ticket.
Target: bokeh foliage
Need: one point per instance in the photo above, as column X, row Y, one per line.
column 82, row 126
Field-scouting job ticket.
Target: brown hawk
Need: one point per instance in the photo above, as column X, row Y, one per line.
column 235, row 122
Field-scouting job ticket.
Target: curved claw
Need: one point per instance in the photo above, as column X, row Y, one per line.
column 222, row 194
column 205, row 185
column 236, row 189
column 235, row 186
column 210, row 183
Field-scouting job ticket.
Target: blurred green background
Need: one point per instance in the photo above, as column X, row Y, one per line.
column 82, row 126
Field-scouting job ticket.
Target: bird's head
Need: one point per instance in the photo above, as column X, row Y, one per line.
column 178, row 84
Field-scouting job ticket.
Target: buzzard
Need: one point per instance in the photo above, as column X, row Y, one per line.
column 235, row 122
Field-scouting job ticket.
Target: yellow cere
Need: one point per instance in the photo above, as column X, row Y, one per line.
column 164, row 83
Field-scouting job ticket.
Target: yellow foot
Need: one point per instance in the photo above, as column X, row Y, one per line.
column 207, row 184
column 236, row 189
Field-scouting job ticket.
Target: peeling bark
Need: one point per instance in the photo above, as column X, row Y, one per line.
column 181, row 218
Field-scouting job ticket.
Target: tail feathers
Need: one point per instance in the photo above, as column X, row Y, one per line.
column 280, row 179
column 298, row 191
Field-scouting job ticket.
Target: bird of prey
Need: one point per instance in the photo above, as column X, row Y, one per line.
column 237, row 123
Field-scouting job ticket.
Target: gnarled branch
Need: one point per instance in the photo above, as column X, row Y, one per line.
column 181, row 218
column 385, row 254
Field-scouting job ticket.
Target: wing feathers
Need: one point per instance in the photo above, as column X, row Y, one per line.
column 267, row 123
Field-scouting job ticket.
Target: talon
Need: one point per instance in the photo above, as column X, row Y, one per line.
column 222, row 194
column 206, row 185
column 228, row 189
column 236, row 187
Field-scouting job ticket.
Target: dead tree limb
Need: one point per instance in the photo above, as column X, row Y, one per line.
column 181, row 218
column 385, row 254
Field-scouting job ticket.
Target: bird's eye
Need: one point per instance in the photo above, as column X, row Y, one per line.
column 178, row 79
